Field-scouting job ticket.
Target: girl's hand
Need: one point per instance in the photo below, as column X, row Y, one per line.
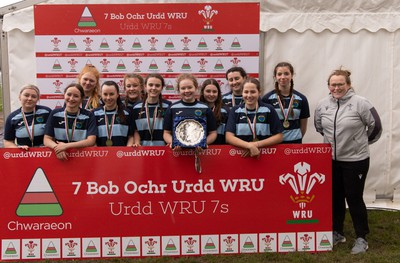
column 24, row 147
column 177, row 148
column 60, row 147
column 62, row 156
column 253, row 150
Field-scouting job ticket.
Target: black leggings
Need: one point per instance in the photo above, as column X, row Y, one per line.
column 348, row 180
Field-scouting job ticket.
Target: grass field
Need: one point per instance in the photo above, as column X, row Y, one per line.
column 384, row 243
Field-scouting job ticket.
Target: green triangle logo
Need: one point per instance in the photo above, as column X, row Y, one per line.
column 91, row 247
column 39, row 198
column 86, row 19
column 131, row 246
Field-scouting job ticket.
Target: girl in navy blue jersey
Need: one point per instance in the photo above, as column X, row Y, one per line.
column 189, row 106
column 24, row 127
column 235, row 77
column 70, row 126
column 114, row 122
column 210, row 93
column 149, row 114
column 253, row 125
column 291, row 105
column 133, row 86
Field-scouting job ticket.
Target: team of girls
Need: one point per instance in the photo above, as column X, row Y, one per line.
column 144, row 118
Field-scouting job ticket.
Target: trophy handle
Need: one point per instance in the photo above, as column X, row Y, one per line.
column 197, row 162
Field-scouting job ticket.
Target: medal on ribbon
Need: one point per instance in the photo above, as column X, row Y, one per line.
column 109, row 142
column 70, row 135
column 31, row 129
column 252, row 124
column 285, row 114
column 151, row 122
column 286, row 124
column 88, row 102
column 109, row 126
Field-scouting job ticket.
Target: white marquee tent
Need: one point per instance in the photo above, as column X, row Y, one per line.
column 316, row 36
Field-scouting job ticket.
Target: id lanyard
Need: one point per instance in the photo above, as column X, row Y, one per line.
column 252, row 125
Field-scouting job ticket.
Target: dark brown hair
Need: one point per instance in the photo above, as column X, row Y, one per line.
column 120, row 105
column 160, row 98
column 218, row 102
column 278, row 92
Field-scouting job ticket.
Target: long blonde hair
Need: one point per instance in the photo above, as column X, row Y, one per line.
column 94, row 98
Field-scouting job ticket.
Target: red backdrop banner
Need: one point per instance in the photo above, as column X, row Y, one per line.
column 149, row 201
column 204, row 39
column 167, row 18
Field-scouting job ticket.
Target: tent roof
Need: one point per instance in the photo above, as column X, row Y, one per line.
column 319, row 15
column 282, row 15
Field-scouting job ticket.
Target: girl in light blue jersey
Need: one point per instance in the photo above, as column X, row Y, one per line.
column 210, row 93
column 114, row 122
column 253, row 125
column 149, row 114
column 70, row 126
column 24, row 127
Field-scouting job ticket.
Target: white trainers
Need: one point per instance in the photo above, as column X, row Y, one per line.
column 338, row 238
column 360, row 246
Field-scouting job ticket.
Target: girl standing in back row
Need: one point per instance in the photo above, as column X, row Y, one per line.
column 235, row 77
column 89, row 79
column 149, row 114
column 133, row 86
column 291, row 105
column 210, row 93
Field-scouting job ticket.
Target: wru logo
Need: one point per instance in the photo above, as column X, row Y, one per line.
column 302, row 183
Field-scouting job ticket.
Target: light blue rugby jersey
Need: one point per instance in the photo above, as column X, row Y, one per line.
column 300, row 111
column 15, row 127
column 85, row 125
column 227, row 100
column 120, row 130
column 142, row 125
column 267, row 122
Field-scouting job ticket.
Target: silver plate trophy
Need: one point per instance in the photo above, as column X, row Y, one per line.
column 190, row 133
